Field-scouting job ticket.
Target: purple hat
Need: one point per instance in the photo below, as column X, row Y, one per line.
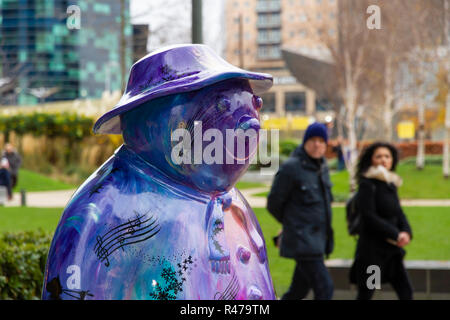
column 173, row 70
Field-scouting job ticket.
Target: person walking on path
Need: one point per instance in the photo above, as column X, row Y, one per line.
column 14, row 160
column 300, row 199
column 384, row 229
column 5, row 182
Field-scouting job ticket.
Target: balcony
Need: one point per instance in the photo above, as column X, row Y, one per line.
column 269, row 52
column 268, row 6
column 269, row 23
column 271, row 39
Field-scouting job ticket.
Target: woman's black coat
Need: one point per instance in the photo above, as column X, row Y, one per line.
column 300, row 198
column 382, row 218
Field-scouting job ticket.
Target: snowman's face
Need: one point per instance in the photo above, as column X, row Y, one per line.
column 222, row 122
column 212, row 152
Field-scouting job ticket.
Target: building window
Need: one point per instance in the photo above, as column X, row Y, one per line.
column 268, row 20
column 323, row 105
column 268, row 102
column 269, row 52
column 295, row 101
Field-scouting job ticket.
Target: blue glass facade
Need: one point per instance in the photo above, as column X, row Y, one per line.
column 39, row 49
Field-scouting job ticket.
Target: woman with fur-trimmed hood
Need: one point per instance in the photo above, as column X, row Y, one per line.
column 385, row 230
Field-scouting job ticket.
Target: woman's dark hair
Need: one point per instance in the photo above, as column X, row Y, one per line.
column 365, row 159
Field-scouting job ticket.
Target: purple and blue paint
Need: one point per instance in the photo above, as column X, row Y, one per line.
column 143, row 227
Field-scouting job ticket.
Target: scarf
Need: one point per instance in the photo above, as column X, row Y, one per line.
column 383, row 174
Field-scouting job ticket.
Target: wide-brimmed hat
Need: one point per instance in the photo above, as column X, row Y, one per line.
column 173, row 70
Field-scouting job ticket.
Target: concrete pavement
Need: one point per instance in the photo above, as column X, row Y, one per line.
column 60, row 198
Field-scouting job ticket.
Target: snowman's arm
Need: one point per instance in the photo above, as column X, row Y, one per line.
column 256, row 240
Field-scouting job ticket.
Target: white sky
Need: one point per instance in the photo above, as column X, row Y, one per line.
column 171, row 21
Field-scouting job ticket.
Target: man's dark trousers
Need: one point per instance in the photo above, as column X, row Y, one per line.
column 310, row 274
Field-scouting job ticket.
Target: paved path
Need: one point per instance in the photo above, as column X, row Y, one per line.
column 59, row 199
column 43, row 199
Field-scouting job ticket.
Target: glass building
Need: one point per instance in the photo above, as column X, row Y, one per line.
column 63, row 49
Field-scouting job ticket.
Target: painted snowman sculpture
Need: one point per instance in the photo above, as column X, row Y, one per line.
column 146, row 225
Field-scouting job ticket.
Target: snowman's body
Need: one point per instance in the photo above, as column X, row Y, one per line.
column 145, row 226
column 131, row 233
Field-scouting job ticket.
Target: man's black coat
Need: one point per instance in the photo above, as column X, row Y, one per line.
column 300, row 199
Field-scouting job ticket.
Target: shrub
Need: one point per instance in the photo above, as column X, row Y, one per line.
column 23, row 256
column 288, row 146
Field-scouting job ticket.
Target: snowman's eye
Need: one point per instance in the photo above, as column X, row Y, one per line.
column 223, row 105
column 257, row 102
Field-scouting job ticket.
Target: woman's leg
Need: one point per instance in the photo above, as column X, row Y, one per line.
column 401, row 283
column 364, row 293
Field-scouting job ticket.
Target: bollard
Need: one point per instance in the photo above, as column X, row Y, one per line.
column 23, row 198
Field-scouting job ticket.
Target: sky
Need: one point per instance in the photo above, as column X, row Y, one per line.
column 170, row 21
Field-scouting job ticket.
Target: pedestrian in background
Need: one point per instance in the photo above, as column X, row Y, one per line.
column 337, row 148
column 384, row 230
column 5, row 182
column 14, row 160
column 300, row 199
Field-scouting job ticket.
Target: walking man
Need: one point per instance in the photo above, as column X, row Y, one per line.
column 300, row 199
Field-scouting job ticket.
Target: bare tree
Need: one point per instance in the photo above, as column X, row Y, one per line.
column 446, row 158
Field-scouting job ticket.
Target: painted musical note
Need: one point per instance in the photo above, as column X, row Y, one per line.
column 132, row 232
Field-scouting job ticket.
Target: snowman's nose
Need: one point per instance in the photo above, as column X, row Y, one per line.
column 247, row 122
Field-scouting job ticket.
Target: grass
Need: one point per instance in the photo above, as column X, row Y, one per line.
column 32, row 181
column 26, row 218
column 426, row 184
column 430, row 227
column 249, row 185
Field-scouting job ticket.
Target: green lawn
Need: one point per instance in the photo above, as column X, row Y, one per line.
column 249, row 185
column 425, row 184
column 430, row 234
column 32, row 181
column 24, row 219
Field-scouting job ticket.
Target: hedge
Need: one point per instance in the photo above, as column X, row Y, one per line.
column 23, row 256
column 69, row 125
